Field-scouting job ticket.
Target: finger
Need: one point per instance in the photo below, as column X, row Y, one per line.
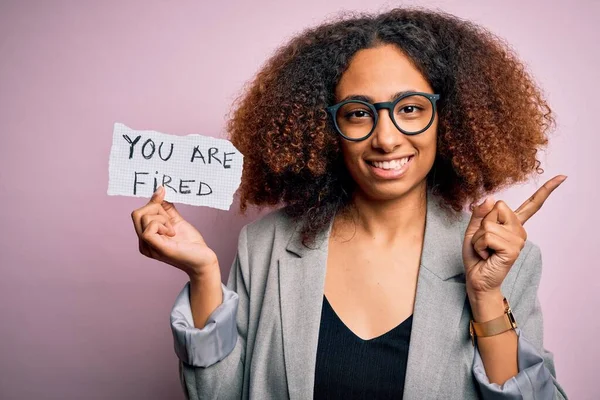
column 499, row 245
column 148, row 209
column 162, row 229
column 162, row 218
column 159, row 247
column 488, row 226
column 158, row 199
column 505, row 214
column 143, row 247
column 535, row 202
column 169, row 208
column 137, row 224
column 508, row 218
column 500, row 213
column 152, row 207
column 152, row 236
column 479, row 213
column 490, row 218
column 172, row 211
column 485, row 254
column 158, row 196
column 147, row 218
column 502, row 231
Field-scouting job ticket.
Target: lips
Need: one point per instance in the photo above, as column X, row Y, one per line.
column 391, row 164
column 391, row 169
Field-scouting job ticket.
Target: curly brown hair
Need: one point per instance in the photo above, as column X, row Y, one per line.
column 493, row 117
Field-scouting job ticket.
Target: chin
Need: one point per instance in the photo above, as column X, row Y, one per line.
column 374, row 187
column 377, row 190
column 385, row 191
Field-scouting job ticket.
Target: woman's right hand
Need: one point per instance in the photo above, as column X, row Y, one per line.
column 165, row 236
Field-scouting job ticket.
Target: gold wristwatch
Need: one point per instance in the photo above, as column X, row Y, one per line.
column 495, row 326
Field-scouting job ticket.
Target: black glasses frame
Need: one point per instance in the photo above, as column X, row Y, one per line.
column 389, row 105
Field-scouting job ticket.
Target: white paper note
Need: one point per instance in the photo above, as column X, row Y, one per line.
column 194, row 169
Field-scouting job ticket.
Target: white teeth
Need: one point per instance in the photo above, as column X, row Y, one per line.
column 393, row 164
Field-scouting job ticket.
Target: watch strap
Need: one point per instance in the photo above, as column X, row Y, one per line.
column 495, row 326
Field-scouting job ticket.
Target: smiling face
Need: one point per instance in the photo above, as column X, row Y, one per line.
column 378, row 164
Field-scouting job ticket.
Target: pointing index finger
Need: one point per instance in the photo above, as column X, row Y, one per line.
column 535, row 202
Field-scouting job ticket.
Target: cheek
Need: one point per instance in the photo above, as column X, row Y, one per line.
column 351, row 153
column 427, row 144
column 431, row 147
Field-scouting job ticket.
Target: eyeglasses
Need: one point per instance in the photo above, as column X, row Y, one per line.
column 412, row 113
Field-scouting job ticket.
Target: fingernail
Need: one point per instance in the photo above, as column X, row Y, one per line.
column 159, row 190
column 564, row 178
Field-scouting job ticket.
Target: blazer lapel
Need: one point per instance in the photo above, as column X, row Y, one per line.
column 439, row 303
column 301, row 288
column 438, row 306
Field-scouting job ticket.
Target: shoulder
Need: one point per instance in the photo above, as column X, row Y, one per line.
column 271, row 231
column 276, row 222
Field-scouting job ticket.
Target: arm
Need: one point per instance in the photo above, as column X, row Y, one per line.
column 499, row 352
column 536, row 376
column 211, row 359
column 205, row 295
column 203, row 347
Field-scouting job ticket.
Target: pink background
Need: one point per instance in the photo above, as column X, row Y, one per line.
column 82, row 314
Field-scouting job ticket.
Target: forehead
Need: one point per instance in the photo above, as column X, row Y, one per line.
column 380, row 72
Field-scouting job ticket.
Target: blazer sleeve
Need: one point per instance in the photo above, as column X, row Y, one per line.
column 536, row 378
column 211, row 359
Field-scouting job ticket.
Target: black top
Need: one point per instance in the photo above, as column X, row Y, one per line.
column 349, row 367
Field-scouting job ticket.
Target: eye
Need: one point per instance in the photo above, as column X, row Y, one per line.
column 358, row 114
column 409, row 109
column 355, row 113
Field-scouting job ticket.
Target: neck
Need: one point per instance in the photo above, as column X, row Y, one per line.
column 387, row 221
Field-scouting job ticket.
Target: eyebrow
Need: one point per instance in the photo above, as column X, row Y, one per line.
column 369, row 99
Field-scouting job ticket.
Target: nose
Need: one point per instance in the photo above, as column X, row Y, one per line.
column 386, row 136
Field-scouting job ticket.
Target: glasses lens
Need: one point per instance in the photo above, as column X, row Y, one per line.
column 355, row 120
column 413, row 113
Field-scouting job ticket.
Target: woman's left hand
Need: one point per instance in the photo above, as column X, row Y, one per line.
column 495, row 237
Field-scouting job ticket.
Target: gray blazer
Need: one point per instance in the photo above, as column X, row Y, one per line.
column 261, row 342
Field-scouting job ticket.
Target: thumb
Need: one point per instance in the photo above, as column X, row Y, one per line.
column 172, row 211
column 479, row 213
column 158, row 195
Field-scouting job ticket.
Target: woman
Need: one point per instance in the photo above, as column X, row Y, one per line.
column 372, row 132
